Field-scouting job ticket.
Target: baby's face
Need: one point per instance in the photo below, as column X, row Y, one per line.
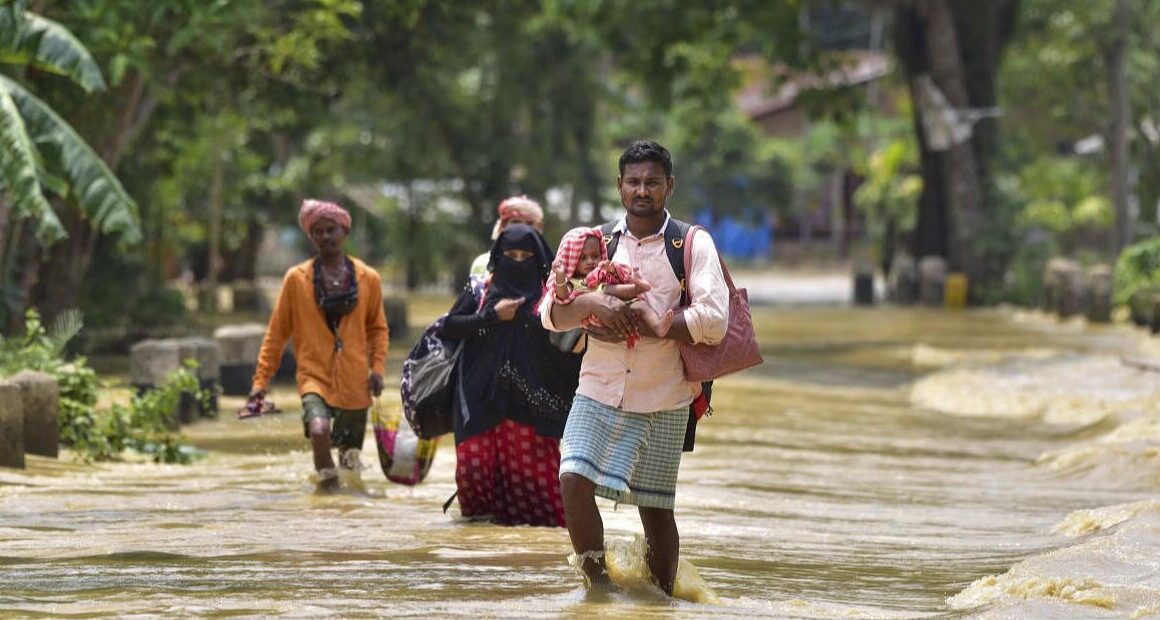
column 589, row 256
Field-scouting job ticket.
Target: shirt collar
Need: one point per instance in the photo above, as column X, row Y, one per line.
column 622, row 225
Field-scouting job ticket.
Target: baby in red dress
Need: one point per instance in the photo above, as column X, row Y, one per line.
column 582, row 266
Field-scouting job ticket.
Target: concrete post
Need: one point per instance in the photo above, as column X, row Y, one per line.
column 1071, row 292
column 40, row 397
column 11, row 425
column 932, row 275
column 151, row 361
column 207, row 354
column 238, row 346
column 903, row 280
column 1099, row 302
column 863, row 285
column 1057, row 275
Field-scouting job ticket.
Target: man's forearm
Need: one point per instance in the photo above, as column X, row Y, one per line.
column 568, row 316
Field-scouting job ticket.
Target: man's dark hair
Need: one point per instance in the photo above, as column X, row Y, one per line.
column 646, row 150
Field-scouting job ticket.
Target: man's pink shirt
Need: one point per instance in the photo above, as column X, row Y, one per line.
column 650, row 377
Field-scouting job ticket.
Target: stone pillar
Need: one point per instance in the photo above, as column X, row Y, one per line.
column 1070, row 291
column 11, row 425
column 903, row 280
column 40, row 396
column 1056, row 274
column 150, row 362
column 932, row 275
column 863, row 285
column 1099, row 302
column 396, row 311
column 206, row 352
column 238, row 346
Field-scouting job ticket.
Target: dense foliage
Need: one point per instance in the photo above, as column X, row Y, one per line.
column 421, row 115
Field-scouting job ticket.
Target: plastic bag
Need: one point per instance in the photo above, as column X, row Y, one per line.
column 403, row 455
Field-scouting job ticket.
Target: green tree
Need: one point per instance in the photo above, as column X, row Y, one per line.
column 42, row 153
column 955, row 46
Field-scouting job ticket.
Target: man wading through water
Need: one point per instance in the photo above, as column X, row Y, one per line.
column 332, row 306
column 626, row 428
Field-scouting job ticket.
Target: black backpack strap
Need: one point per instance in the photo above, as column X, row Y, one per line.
column 611, row 238
column 675, row 234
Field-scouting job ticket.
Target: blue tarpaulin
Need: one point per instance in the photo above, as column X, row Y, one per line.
column 736, row 239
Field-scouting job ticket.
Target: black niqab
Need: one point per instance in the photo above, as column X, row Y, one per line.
column 511, row 278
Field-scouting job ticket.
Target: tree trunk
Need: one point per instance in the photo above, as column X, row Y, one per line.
column 1117, row 60
column 930, row 234
column 958, row 43
column 959, row 171
column 5, row 211
column 215, row 223
column 59, row 273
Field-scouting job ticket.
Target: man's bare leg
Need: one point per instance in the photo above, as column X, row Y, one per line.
column 323, row 460
column 664, row 543
column 585, row 527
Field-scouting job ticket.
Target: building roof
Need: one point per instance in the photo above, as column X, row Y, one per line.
column 768, row 90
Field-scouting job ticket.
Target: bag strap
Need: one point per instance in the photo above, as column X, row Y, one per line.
column 689, row 261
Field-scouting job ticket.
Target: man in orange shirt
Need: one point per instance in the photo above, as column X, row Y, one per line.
column 332, row 306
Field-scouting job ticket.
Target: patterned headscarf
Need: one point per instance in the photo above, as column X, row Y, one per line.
column 568, row 254
column 314, row 210
column 517, row 206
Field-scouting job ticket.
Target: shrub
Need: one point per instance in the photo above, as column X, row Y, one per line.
column 1137, row 270
column 144, row 425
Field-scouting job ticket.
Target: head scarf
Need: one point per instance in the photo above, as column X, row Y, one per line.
column 512, row 278
column 510, row 370
column 314, row 210
column 568, row 254
column 517, row 206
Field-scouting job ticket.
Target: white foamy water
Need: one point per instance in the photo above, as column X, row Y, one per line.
column 883, row 463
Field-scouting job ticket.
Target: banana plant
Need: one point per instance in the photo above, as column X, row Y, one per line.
column 39, row 150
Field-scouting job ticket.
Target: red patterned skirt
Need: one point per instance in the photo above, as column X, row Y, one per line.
column 511, row 474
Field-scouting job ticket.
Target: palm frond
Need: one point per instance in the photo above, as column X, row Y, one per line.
column 64, row 328
column 19, row 177
column 32, row 40
column 94, row 187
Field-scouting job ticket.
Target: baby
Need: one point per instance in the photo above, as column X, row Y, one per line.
column 582, row 266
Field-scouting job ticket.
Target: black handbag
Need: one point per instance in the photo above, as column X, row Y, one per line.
column 427, row 387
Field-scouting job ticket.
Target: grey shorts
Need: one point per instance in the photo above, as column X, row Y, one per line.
column 347, row 426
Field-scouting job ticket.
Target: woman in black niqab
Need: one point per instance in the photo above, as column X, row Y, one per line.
column 514, row 389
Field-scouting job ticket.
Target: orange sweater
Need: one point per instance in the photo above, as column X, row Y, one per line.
column 338, row 376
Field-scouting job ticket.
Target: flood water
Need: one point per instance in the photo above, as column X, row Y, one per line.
column 883, row 463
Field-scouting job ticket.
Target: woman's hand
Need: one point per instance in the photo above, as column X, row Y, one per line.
column 505, row 309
